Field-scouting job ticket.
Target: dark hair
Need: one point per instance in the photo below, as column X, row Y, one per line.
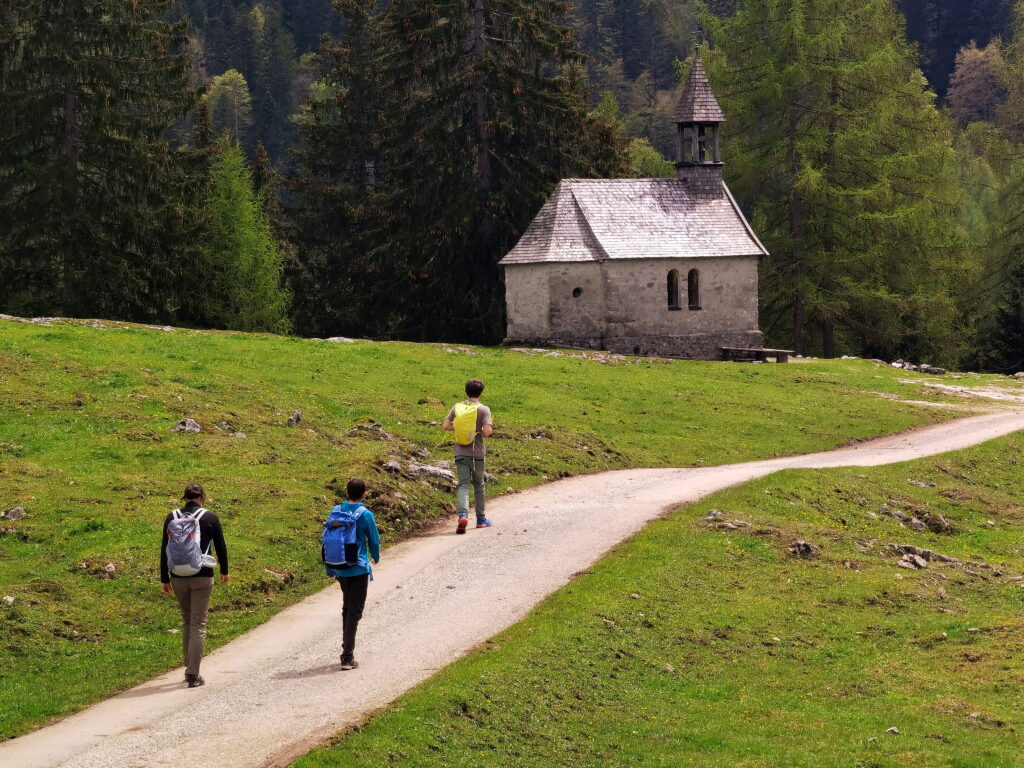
column 474, row 388
column 356, row 489
column 194, row 491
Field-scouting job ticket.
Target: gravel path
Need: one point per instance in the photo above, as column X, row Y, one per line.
column 277, row 691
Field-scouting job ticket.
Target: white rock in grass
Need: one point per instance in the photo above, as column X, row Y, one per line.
column 15, row 513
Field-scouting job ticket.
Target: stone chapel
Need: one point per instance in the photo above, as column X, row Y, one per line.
column 642, row 266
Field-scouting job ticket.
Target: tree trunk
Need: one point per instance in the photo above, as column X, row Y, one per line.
column 68, row 277
column 484, row 172
column 828, row 339
column 796, row 230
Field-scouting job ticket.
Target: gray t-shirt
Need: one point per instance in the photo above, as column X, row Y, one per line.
column 476, row 450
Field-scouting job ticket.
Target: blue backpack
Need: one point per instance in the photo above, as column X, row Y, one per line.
column 340, row 547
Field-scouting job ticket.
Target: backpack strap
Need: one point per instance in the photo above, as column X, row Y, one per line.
column 176, row 514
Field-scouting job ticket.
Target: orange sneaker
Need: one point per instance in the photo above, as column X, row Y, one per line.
column 463, row 522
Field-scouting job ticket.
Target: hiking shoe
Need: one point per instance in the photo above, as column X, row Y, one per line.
column 483, row 523
column 463, row 522
column 194, row 681
column 347, row 662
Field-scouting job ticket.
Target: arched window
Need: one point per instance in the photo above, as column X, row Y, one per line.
column 693, row 289
column 673, row 289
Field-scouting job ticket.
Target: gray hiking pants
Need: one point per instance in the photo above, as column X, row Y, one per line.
column 193, row 595
column 470, row 469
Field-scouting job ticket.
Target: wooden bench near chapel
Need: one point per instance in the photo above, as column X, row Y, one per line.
column 736, row 354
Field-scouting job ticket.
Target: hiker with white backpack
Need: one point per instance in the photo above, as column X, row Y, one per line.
column 186, row 570
column 471, row 422
column 350, row 542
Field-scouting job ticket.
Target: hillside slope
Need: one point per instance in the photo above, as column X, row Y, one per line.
column 705, row 641
column 87, row 449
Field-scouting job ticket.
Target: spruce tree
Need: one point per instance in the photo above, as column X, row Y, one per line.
column 94, row 204
column 836, row 143
column 485, row 112
column 332, row 200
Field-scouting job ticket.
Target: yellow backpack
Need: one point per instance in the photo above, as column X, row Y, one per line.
column 465, row 422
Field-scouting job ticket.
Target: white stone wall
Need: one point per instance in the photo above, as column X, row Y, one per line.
column 623, row 305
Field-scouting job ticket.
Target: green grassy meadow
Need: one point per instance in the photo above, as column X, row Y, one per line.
column 86, row 448
column 694, row 645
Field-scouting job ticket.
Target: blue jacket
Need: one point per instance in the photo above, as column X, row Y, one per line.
column 368, row 538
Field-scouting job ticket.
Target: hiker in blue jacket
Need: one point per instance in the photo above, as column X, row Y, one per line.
column 350, row 541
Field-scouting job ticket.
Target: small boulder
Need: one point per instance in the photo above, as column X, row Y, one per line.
column 286, row 576
column 910, row 549
column 920, row 484
column 370, row 429
column 945, row 558
column 804, row 549
column 392, row 466
column 416, row 469
column 420, row 453
column 187, row 425
column 894, row 731
column 1019, row 375
column 917, row 525
column 341, row 340
column 713, row 514
column 294, row 419
column 14, row 513
column 912, row 562
column 938, row 524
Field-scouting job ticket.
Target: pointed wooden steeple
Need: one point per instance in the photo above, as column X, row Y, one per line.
column 698, row 119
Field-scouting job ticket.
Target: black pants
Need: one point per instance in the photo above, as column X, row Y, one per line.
column 354, row 590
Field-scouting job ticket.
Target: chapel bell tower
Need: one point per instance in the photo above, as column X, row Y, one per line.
column 698, row 119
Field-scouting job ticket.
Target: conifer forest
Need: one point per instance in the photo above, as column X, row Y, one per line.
column 357, row 168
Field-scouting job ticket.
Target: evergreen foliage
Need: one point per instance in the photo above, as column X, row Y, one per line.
column 240, row 280
column 486, row 113
column 333, row 198
column 252, row 39
column 836, row 143
column 229, row 105
column 94, row 204
column 473, row 117
column 943, row 27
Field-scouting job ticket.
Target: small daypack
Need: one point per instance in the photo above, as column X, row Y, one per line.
column 340, row 547
column 185, row 555
column 465, row 422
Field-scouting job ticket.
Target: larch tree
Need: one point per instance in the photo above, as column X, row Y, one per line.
column 977, row 86
column 241, row 275
column 95, row 216
column 837, row 146
column 229, row 104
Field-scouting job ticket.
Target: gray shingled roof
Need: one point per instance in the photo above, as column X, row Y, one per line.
column 698, row 103
column 595, row 219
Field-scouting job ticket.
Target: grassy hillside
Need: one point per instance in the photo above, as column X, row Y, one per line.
column 697, row 644
column 86, row 448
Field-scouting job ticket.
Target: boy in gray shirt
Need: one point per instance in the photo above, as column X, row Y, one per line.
column 470, row 452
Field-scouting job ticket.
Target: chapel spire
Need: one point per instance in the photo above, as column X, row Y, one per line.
column 698, row 119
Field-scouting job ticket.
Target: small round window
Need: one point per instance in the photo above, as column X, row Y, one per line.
column 577, row 292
